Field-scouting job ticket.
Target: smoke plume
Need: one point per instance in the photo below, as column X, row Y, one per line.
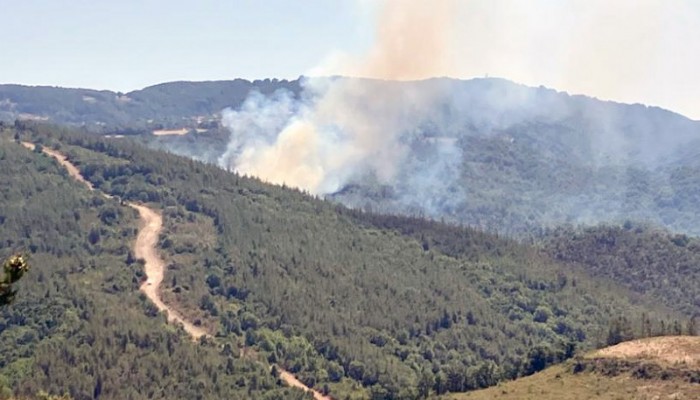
column 341, row 127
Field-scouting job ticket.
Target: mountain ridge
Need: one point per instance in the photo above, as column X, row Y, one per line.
column 595, row 160
column 16, row 99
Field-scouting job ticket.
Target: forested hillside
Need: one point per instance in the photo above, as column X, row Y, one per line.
column 167, row 105
column 515, row 159
column 78, row 325
column 491, row 153
column 354, row 303
column 495, row 155
column 644, row 259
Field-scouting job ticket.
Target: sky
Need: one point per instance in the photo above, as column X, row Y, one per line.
column 634, row 51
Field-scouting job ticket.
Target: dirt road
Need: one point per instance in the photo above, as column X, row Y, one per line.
column 145, row 247
column 292, row 381
column 63, row 160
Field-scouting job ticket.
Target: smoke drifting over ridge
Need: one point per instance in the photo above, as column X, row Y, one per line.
column 486, row 152
column 344, row 127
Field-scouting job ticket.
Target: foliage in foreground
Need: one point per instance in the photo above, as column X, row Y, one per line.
column 13, row 269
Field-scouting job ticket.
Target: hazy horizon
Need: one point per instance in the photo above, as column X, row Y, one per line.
column 628, row 51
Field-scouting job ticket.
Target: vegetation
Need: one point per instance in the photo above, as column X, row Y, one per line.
column 78, row 325
column 168, row 105
column 530, row 178
column 355, row 303
column 624, row 375
column 644, row 259
column 558, row 383
column 520, row 158
column 13, row 269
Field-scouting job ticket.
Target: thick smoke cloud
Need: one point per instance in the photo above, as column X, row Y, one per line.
column 486, row 152
column 345, row 127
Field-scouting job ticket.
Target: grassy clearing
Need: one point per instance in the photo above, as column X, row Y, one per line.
column 559, row 383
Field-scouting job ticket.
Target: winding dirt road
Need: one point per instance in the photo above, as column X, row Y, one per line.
column 292, row 381
column 145, row 247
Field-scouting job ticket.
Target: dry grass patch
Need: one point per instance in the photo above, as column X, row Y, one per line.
column 678, row 355
column 665, row 351
column 557, row 383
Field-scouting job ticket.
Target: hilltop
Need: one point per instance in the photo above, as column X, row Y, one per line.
column 652, row 368
column 162, row 106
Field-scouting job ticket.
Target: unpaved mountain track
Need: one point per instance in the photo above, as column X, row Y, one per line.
column 292, row 381
column 145, row 248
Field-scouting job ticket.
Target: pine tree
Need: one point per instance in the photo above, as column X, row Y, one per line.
column 14, row 268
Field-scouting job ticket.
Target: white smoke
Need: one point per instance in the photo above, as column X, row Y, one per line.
column 341, row 128
column 344, row 127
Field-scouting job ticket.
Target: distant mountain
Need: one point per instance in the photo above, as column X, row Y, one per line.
column 173, row 104
column 516, row 159
column 185, row 99
column 511, row 158
column 486, row 152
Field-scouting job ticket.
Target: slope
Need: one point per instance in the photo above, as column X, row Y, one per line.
column 497, row 155
column 512, row 159
column 337, row 297
column 644, row 259
column 154, row 266
column 172, row 104
column 79, row 325
column 487, row 150
column 660, row 368
column 144, row 247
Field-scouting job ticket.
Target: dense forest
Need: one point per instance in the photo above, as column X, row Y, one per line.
column 544, row 159
column 355, row 304
column 78, row 324
column 645, row 259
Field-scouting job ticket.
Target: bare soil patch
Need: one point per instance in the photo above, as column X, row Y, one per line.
column 666, row 350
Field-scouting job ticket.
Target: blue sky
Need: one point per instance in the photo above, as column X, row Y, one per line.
column 128, row 44
column 642, row 51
